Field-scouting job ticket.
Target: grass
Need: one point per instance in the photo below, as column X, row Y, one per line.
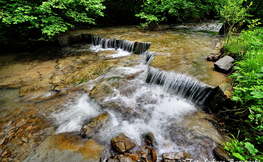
column 247, row 48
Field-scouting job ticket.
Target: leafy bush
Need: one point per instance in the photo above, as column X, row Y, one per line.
column 241, row 150
column 248, row 90
column 49, row 16
column 155, row 11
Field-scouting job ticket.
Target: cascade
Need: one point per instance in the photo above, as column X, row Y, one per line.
column 180, row 84
column 125, row 45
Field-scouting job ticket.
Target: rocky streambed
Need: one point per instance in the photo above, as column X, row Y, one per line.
column 91, row 103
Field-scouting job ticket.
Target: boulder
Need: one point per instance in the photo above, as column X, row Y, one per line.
column 76, row 38
column 87, row 38
column 224, row 64
column 218, row 98
column 64, row 41
column 122, row 143
column 90, row 128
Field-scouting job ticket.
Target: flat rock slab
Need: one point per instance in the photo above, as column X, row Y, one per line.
column 67, row 148
column 224, row 64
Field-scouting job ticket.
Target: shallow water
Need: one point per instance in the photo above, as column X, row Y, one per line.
column 136, row 107
column 182, row 49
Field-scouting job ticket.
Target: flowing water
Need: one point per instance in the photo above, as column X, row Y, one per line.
column 161, row 91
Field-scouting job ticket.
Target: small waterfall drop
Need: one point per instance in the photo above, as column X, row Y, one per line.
column 180, row 84
column 125, row 45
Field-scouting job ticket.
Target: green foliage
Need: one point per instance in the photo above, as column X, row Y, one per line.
column 155, row 11
column 248, row 86
column 241, row 150
column 49, row 16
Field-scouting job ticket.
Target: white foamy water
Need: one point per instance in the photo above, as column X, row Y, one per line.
column 71, row 118
column 117, row 52
column 142, row 109
column 137, row 108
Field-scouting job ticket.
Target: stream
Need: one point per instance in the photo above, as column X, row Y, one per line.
column 48, row 94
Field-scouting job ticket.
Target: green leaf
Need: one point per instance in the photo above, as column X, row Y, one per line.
column 251, row 148
column 237, row 155
column 257, row 94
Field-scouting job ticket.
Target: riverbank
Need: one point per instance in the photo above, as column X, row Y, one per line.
column 246, row 117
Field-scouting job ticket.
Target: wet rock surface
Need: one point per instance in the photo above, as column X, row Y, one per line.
column 122, row 143
column 95, row 124
column 67, row 147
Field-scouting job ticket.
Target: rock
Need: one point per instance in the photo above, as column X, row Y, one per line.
column 24, row 139
column 76, row 38
column 153, row 27
column 150, row 140
column 19, row 142
column 6, row 153
column 153, row 155
column 224, row 64
column 105, row 154
column 134, row 157
column 67, row 147
column 95, row 124
column 112, row 160
column 219, row 98
column 175, row 156
column 214, row 57
column 87, row 38
column 141, row 47
column 220, row 155
column 122, row 143
column 64, row 41
column 126, row 159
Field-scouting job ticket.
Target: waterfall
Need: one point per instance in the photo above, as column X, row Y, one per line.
column 148, row 57
column 125, row 45
column 180, row 84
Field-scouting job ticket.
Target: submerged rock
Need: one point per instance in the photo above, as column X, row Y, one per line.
column 224, row 64
column 122, row 143
column 169, row 157
column 95, row 124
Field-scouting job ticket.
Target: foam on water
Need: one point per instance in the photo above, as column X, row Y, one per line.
column 118, row 53
column 73, row 115
column 140, row 108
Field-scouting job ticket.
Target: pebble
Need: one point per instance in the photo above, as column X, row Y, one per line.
column 24, row 139
column 19, row 142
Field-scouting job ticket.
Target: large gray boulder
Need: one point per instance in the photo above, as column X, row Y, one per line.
column 224, row 64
